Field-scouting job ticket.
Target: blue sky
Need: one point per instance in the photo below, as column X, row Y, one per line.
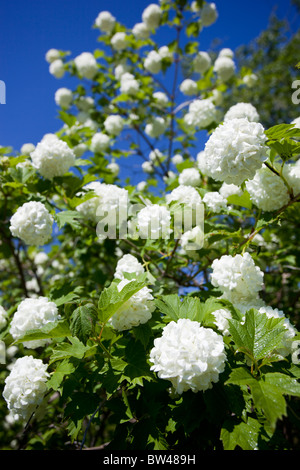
column 29, row 28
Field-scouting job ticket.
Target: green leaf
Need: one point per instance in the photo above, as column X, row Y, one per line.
column 74, row 348
column 243, row 200
column 83, row 321
column 66, row 367
column 243, row 435
column 174, row 307
column 68, row 217
column 53, row 330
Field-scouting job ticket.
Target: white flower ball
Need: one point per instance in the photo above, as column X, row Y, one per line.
column 85, row 103
column 141, row 31
column 222, row 316
column 3, row 317
column 291, row 172
column 52, row 157
column 237, row 274
column 242, row 110
column 190, row 356
column 152, row 62
column 190, row 177
column 188, row 87
column 100, row 142
column 225, row 68
column 184, row 194
column 52, row 55
column 89, row 207
column 63, row 97
column 161, row 98
column 141, row 186
column 32, row 223
column 226, row 52
column 105, row 21
column 114, row 124
column 209, row 14
column 235, row 151
column 192, row 239
column 114, row 168
column 156, row 127
column 137, row 310
column 177, row 159
column 26, row 149
column 31, row 314
column 86, row 65
column 153, row 222
column 214, row 201
column 151, row 16
column 147, row 167
column 267, row 190
column 129, row 85
column 165, row 53
column 250, row 80
column 227, row 190
column 201, row 113
column 119, row 41
column 26, row 386
column 286, row 346
column 120, row 69
column 128, row 264
column 57, row 68
column 201, row 62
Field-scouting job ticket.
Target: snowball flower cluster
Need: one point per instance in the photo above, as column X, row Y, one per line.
column 235, row 151
column 151, row 16
column 161, row 98
column 3, row 317
column 291, row 172
column 153, row 222
column 86, row 65
column 114, row 124
column 201, row 62
column 135, row 311
column 32, row 223
column 222, row 316
column 189, row 177
column 141, row 31
column 63, row 97
column 214, row 201
column 119, row 41
column 227, row 190
column 26, row 149
column 128, row 264
column 52, row 157
column 105, row 21
column 267, row 190
column 129, row 85
column 25, row 386
column 153, row 62
column 190, row 356
column 242, row 110
column 201, row 113
column 189, row 87
column 57, row 68
column 52, row 55
column 184, row 194
column 237, row 275
column 31, row 314
column 209, row 14
column 156, row 127
column 224, row 68
column 192, row 239
column 100, row 142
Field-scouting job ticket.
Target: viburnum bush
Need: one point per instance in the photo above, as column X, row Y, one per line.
column 153, row 340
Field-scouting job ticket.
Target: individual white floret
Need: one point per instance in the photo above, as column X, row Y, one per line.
column 153, row 222
column 190, row 177
column 237, row 274
column 201, row 113
column 188, row 87
column 224, row 68
column 209, row 14
column 128, row 264
column 153, row 62
column 57, row 68
column 100, row 142
column 190, row 356
column 114, row 124
column 151, row 16
column 52, row 157
column 86, row 65
column 267, row 190
column 32, row 223
column 235, row 151
column 201, row 62
column 105, row 21
column 32, row 314
column 156, row 127
column 242, row 110
column 141, row 31
column 63, row 97
column 26, row 386
column 214, row 201
column 119, row 41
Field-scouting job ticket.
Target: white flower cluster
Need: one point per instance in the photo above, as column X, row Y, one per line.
column 141, row 31
column 227, row 190
column 291, row 172
column 214, row 201
column 286, row 346
column 129, row 85
column 224, row 65
column 153, row 62
column 57, row 68
column 242, row 110
column 188, row 87
column 105, row 21
column 63, row 97
column 209, row 14
column 3, row 317
column 189, row 177
column 201, row 62
column 151, row 16
column 100, row 142
column 86, row 65
column 128, row 264
column 153, row 222
column 25, row 386
column 193, row 239
column 201, row 113
column 156, row 127
column 114, row 124
column 119, row 41
column 190, row 356
column 31, row 314
column 237, row 276
column 183, row 194
column 32, row 223
column 267, row 190
column 52, row 157
column 235, row 150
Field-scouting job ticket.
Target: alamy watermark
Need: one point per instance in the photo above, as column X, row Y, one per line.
column 2, row 92
column 296, row 94
column 123, row 221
